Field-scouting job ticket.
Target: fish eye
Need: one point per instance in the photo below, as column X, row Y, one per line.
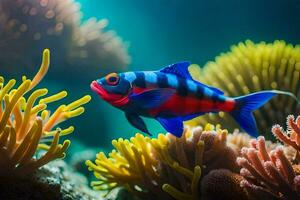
column 112, row 79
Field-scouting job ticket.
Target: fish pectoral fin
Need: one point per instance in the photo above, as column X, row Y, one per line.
column 137, row 122
column 172, row 125
column 152, row 98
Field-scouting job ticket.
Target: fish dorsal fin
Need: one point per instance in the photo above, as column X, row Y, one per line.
column 179, row 69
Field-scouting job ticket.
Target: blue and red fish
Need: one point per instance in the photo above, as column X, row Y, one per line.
column 171, row 96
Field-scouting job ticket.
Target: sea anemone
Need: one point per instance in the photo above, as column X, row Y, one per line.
column 26, row 126
column 271, row 174
column 29, row 26
column 165, row 167
column 248, row 68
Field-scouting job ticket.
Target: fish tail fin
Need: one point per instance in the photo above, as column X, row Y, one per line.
column 245, row 105
column 292, row 95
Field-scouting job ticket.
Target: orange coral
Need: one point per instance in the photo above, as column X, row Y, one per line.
column 292, row 136
column 269, row 174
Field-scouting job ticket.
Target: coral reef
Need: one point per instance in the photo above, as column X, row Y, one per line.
column 238, row 140
column 200, row 163
column 27, row 126
column 248, row 68
column 29, row 26
column 53, row 181
column 270, row 174
column 292, row 137
column 222, row 184
column 165, row 167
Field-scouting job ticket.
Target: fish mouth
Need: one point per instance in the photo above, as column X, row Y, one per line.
column 114, row 99
column 97, row 88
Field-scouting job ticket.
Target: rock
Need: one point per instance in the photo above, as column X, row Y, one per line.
column 120, row 194
column 54, row 181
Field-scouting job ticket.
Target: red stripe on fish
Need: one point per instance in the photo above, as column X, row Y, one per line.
column 182, row 106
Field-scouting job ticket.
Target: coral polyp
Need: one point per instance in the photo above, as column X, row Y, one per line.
column 26, row 125
column 165, row 167
column 251, row 67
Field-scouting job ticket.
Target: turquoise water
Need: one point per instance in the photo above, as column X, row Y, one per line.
column 158, row 32
column 161, row 32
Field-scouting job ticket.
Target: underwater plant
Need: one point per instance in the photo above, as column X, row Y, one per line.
column 165, row 167
column 29, row 26
column 26, row 126
column 270, row 174
column 251, row 67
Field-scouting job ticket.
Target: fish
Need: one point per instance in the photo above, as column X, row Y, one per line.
column 171, row 96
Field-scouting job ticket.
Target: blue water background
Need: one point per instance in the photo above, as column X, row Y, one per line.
column 160, row 32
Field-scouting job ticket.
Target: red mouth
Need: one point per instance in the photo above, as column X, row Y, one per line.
column 114, row 99
column 97, row 88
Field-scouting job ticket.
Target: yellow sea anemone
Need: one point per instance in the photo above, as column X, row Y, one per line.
column 248, row 68
column 165, row 167
column 26, row 125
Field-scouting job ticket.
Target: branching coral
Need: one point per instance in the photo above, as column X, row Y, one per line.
column 147, row 167
column 270, row 174
column 26, row 126
column 29, row 26
column 292, row 137
column 248, row 68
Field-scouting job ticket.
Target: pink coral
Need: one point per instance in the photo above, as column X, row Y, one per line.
column 268, row 174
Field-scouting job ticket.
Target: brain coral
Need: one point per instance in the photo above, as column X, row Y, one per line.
column 165, row 167
column 29, row 26
column 251, row 67
column 27, row 126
